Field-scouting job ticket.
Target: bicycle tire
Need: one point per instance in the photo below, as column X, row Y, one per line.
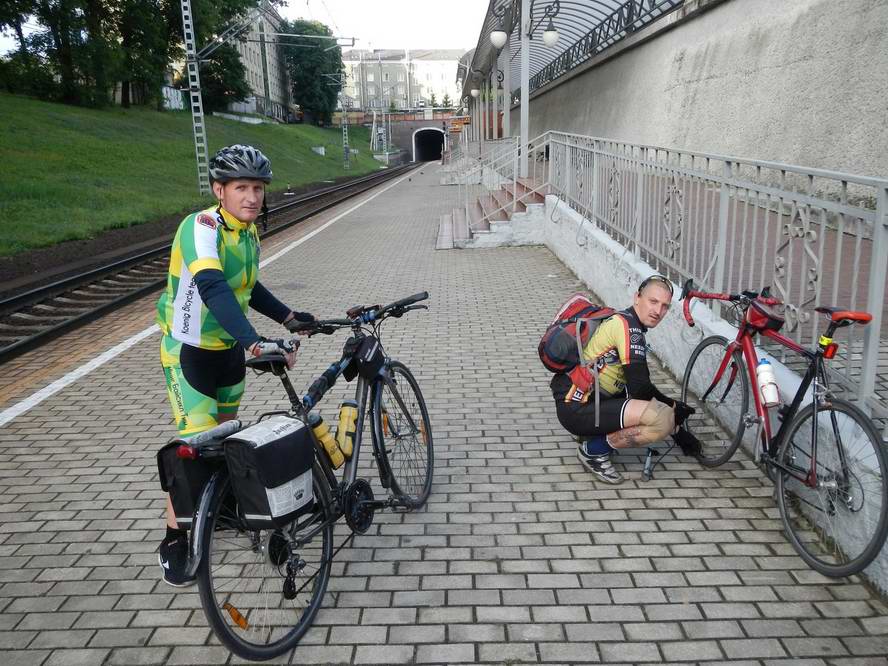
column 839, row 527
column 721, row 401
column 226, row 578
column 406, row 460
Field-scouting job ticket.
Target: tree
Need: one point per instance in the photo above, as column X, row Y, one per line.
column 223, row 79
column 446, row 102
column 146, row 45
column 63, row 39
column 13, row 14
column 315, row 72
column 433, row 101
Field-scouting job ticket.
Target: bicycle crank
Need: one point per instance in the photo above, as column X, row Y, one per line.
column 358, row 506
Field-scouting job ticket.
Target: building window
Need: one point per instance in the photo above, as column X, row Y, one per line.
column 370, row 76
column 385, row 77
column 400, row 76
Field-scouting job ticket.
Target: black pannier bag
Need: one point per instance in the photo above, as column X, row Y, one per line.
column 270, row 468
column 184, row 480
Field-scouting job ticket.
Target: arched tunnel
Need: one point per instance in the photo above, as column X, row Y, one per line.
column 428, row 144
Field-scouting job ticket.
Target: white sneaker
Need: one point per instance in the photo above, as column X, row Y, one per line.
column 600, row 465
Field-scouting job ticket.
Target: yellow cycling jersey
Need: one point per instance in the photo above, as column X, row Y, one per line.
column 207, row 240
column 617, row 342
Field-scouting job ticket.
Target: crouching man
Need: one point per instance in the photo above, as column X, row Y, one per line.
column 632, row 412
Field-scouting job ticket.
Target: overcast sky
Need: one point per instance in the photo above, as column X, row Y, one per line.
column 386, row 24
column 391, row 24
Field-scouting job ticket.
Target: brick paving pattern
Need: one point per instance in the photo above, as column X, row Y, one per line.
column 519, row 555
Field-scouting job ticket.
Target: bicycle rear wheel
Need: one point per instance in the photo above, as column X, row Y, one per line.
column 839, row 525
column 721, row 403
column 403, row 435
column 243, row 572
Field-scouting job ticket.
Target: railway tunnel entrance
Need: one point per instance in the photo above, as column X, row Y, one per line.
column 428, row 144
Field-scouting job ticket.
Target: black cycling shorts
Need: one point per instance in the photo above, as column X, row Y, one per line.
column 579, row 418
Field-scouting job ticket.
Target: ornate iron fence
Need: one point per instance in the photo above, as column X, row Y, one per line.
column 816, row 237
column 620, row 23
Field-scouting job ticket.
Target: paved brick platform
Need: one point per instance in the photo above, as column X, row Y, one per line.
column 519, row 555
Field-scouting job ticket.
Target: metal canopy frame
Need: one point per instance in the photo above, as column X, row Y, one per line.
column 586, row 27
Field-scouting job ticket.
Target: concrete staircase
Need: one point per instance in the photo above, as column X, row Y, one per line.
column 489, row 214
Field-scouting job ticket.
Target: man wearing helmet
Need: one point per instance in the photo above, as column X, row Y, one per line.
column 212, row 282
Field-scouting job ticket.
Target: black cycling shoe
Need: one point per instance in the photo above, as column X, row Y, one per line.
column 173, row 558
column 689, row 445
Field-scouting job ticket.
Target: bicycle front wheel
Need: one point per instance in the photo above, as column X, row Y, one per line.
column 838, row 518
column 721, row 401
column 255, row 609
column 403, row 435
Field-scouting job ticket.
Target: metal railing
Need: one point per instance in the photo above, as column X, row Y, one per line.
column 816, row 237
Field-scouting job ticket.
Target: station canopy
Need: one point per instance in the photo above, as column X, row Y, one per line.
column 585, row 29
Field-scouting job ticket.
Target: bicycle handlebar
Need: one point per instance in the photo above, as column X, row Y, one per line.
column 362, row 316
column 688, row 293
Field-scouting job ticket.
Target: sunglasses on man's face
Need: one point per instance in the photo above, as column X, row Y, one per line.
column 656, row 278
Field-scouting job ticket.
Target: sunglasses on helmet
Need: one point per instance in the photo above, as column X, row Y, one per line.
column 656, row 278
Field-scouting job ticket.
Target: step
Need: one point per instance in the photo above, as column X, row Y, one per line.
column 490, row 209
column 524, row 188
column 477, row 222
column 445, row 233
column 460, row 226
column 503, row 200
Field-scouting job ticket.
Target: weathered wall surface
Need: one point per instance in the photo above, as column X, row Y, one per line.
column 797, row 81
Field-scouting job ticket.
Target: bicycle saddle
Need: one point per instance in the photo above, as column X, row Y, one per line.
column 274, row 363
column 845, row 317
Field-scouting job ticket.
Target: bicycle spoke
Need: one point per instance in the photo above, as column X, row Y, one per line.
column 837, row 518
column 405, row 442
column 716, row 386
column 255, row 609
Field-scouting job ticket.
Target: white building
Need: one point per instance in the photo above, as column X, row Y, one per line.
column 401, row 78
column 266, row 71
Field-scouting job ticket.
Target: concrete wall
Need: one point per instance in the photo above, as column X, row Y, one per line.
column 797, row 81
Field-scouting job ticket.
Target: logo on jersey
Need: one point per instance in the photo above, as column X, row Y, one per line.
column 207, row 221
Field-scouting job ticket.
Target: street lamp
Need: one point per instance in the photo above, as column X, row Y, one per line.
column 550, row 35
column 474, row 92
column 499, row 36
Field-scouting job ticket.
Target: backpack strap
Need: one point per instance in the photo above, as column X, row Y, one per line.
column 585, row 363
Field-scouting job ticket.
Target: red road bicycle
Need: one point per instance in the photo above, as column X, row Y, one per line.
column 826, row 460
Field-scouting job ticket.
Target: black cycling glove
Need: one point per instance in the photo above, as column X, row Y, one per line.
column 299, row 318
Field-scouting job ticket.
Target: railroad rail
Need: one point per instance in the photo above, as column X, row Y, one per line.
column 36, row 316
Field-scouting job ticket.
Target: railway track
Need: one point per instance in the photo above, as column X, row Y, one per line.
column 36, row 316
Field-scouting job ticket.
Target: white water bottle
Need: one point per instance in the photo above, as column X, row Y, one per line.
column 767, row 384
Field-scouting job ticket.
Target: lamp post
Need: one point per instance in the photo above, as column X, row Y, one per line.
column 498, row 39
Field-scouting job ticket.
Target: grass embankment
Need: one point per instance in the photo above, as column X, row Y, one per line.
column 68, row 173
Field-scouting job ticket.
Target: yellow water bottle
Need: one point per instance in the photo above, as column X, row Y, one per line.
column 325, row 437
column 348, row 426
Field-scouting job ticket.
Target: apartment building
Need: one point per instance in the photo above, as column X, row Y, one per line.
column 405, row 79
column 266, row 71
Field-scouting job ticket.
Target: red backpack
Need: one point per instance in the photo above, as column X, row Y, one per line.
column 561, row 347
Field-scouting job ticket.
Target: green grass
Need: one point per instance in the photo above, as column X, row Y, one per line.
column 68, row 173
